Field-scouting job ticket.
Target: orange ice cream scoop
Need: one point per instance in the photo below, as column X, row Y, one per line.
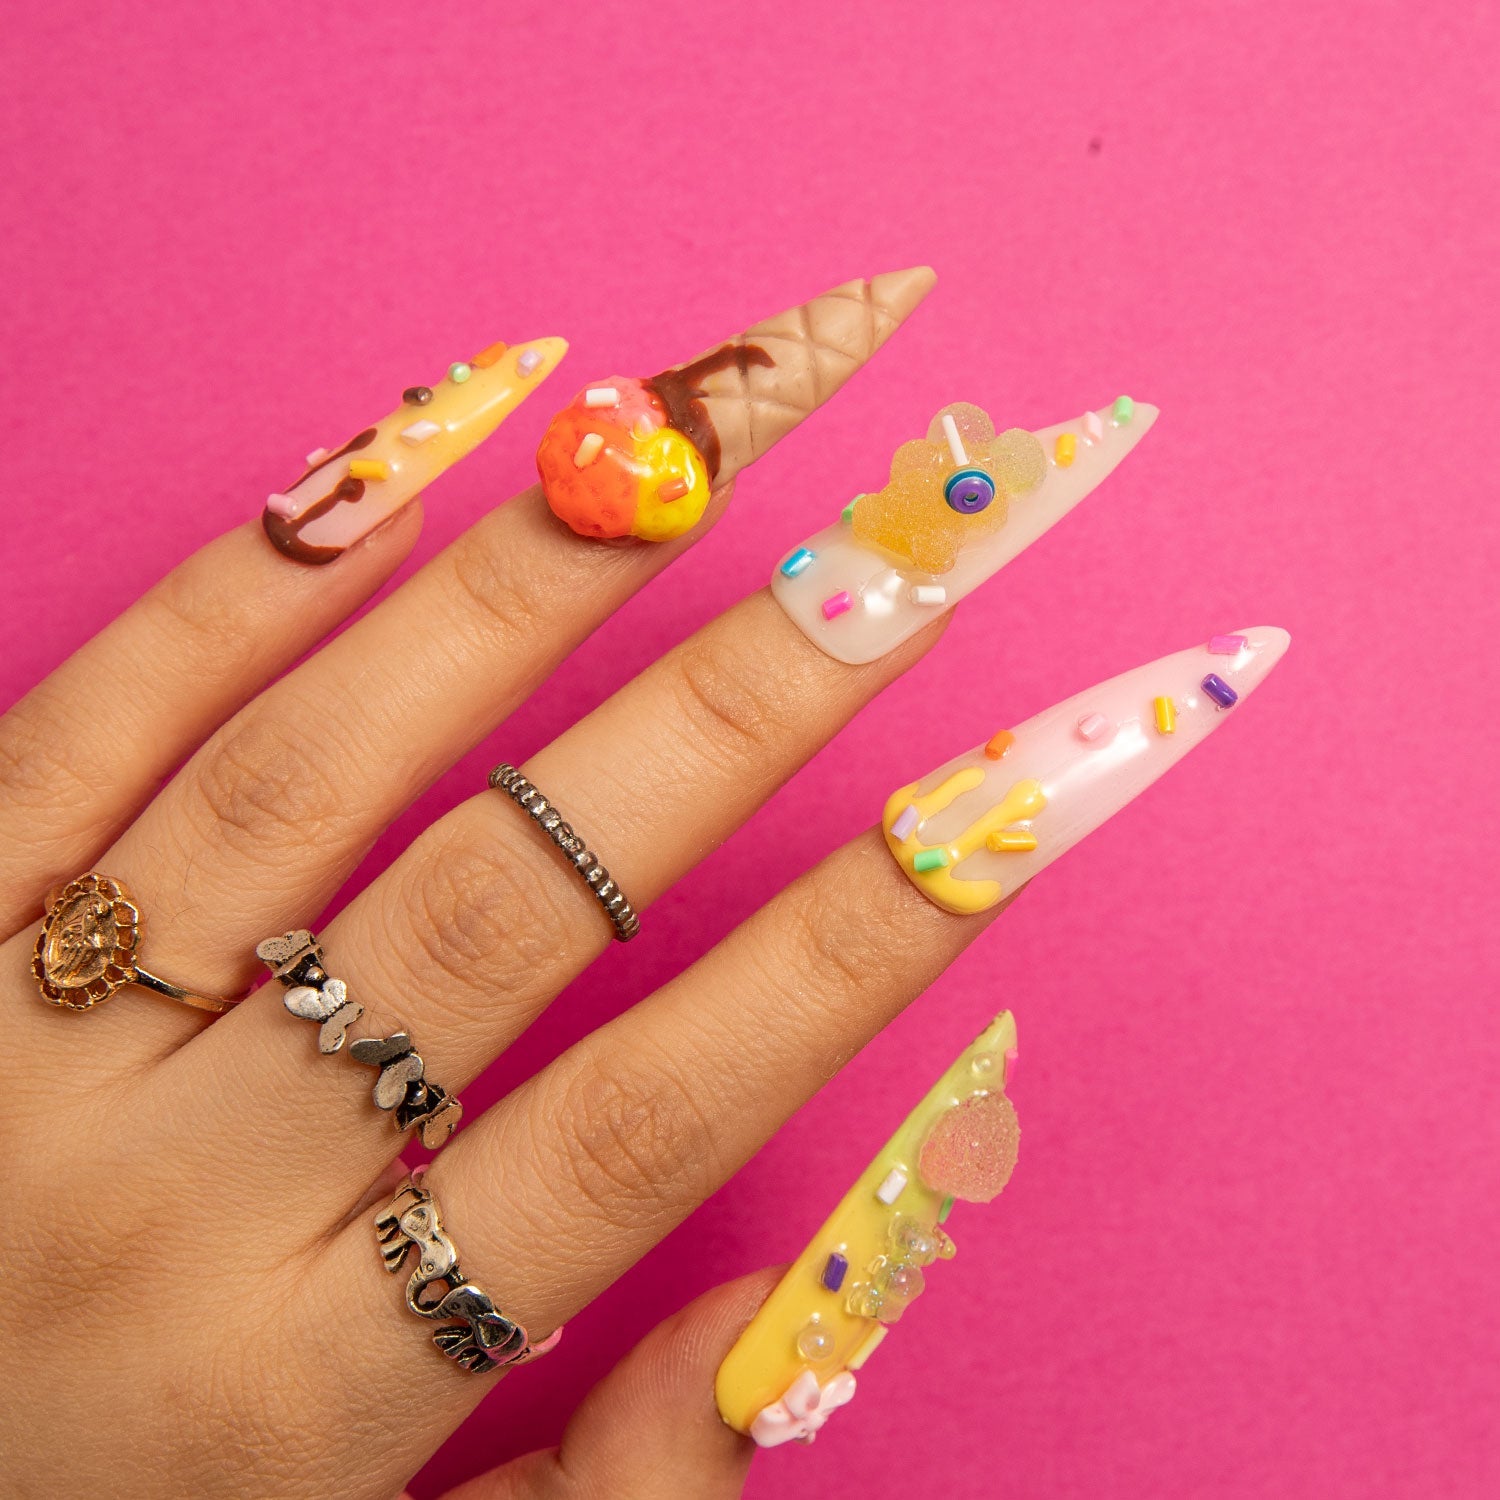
column 611, row 465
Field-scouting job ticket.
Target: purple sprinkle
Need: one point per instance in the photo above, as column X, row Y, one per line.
column 906, row 823
column 528, row 361
column 1220, row 691
column 1227, row 645
column 835, row 1271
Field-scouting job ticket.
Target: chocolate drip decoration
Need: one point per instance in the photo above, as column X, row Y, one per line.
column 681, row 392
column 285, row 535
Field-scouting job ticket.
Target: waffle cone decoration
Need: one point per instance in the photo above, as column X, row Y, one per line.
column 634, row 457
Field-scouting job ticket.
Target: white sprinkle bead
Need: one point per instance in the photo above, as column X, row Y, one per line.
column 1093, row 428
column 601, row 395
column 893, row 1186
column 283, row 506
column 1094, row 726
column 927, row 593
column 588, row 450
column 955, row 443
column 528, row 362
column 419, row 432
column 316, row 457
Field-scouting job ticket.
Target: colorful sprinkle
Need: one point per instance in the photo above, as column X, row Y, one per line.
column 927, row 593
column 798, row 562
column 1220, row 691
column 930, row 859
column 673, row 489
column 893, row 1186
column 1012, row 1057
column 458, row 372
column 491, row 356
column 283, row 506
column 839, row 604
column 1166, row 715
column 316, row 457
column 1122, row 411
column 999, row 745
column 1226, row 645
column 1094, row 726
column 1065, row 450
column 946, row 1209
column 369, row 468
column 847, row 514
column 644, row 428
column 419, row 432
column 601, row 395
column 1011, row 841
column 955, row 443
column 588, row 450
column 417, row 395
column 906, row 822
column 835, row 1270
column 528, row 362
column 871, row 1344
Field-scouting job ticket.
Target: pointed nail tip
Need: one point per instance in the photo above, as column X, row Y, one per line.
column 900, row 292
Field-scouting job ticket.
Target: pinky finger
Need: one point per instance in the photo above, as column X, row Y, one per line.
column 649, row 1430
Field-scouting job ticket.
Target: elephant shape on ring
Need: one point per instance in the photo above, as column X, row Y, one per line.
column 476, row 1335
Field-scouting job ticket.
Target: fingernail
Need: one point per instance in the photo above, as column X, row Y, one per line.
column 347, row 492
column 980, row 827
column 959, row 505
column 797, row 1360
column 634, row 457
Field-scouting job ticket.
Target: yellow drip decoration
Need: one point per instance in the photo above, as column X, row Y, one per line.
column 766, row 1361
column 1025, row 799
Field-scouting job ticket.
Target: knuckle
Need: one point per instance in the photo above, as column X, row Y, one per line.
column 197, row 625
column 504, row 597
column 725, row 694
column 486, row 917
column 838, row 946
column 261, row 780
column 39, row 760
column 635, row 1140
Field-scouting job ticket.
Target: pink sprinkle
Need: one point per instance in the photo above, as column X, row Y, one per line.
column 316, row 457
column 1012, row 1057
column 283, row 506
column 1094, row 726
column 904, row 825
column 840, row 603
column 1227, row 645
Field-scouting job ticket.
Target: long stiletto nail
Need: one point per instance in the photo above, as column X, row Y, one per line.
column 633, row 457
column 981, row 826
column 794, row 1365
column 347, row 492
column 960, row 504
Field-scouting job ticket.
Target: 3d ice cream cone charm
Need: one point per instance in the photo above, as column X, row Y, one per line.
column 960, row 504
column 633, row 457
column 347, row 493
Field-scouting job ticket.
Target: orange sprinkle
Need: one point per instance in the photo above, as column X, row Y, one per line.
column 673, row 489
column 490, row 356
column 1000, row 744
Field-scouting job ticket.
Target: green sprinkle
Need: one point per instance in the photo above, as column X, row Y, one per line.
column 946, row 1209
column 930, row 859
column 1123, row 410
column 460, row 372
column 847, row 514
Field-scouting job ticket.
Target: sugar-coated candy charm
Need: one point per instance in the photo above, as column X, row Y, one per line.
column 971, row 1151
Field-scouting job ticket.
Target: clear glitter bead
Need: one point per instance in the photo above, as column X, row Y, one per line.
column 814, row 1341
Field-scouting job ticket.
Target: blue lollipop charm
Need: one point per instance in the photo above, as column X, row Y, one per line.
column 969, row 491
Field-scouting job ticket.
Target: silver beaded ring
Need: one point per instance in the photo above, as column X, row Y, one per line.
column 507, row 779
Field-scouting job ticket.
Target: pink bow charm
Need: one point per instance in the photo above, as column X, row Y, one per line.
column 804, row 1408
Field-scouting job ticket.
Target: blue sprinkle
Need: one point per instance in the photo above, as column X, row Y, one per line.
column 1220, row 691
column 798, row 562
column 835, row 1271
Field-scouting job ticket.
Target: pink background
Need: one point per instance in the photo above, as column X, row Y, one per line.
column 1250, row 1247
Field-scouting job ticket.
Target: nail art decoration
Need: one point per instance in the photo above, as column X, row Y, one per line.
column 345, row 494
column 979, row 827
column 634, row 457
column 960, row 504
column 795, row 1363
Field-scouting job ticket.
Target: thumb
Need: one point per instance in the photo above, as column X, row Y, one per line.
column 649, row 1430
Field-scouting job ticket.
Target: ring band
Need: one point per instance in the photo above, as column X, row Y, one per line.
column 475, row 1335
column 507, row 779
column 87, row 946
column 413, row 1100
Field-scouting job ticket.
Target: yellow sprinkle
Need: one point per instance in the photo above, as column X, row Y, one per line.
column 1066, row 449
column 1011, row 841
column 490, row 356
column 369, row 468
column 1166, row 716
column 588, row 450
